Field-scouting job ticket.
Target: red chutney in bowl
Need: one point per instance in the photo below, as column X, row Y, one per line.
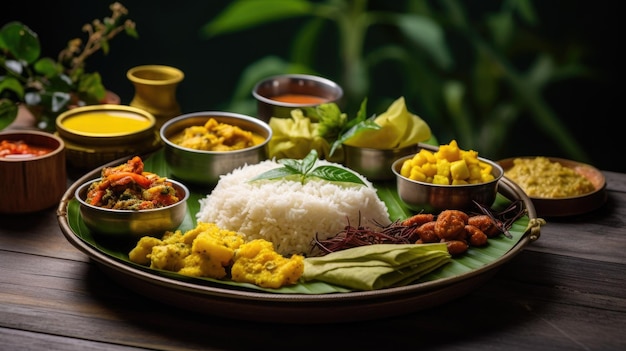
column 21, row 149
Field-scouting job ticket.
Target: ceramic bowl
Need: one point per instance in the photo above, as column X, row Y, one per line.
column 204, row 168
column 422, row 196
column 132, row 224
column 375, row 164
column 98, row 134
column 32, row 183
column 571, row 205
column 277, row 95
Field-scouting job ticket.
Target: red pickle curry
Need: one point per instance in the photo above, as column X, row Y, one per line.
column 128, row 187
column 11, row 149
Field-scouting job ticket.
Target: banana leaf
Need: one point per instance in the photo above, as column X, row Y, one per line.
column 473, row 259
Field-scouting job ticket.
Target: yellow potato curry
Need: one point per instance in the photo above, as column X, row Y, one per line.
column 449, row 165
column 211, row 252
column 216, row 136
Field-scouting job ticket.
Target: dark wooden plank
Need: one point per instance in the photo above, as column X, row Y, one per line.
column 76, row 300
column 599, row 235
column 12, row 339
column 563, row 292
column 36, row 233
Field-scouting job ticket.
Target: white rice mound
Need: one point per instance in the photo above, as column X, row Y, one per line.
column 289, row 213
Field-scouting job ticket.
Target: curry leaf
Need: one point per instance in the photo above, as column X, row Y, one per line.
column 292, row 165
column 277, row 173
column 306, row 168
column 309, row 161
column 335, row 174
column 355, row 126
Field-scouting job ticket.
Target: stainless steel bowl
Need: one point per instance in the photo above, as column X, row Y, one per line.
column 374, row 164
column 422, row 196
column 292, row 84
column 129, row 224
column 205, row 167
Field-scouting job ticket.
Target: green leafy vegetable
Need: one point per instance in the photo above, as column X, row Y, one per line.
column 306, row 168
column 331, row 120
column 355, row 126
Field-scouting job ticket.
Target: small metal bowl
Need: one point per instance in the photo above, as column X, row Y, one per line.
column 204, row 168
column 301, row 84
column 428, row 197
column 130, row 224
column 375, row 164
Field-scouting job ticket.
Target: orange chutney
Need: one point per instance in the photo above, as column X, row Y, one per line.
column 299, row 99
column 21, row 149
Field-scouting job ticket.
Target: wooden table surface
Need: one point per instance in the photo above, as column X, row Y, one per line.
column 564, row 291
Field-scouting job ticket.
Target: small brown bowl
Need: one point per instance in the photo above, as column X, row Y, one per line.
column 32, row 183
column 572, row 205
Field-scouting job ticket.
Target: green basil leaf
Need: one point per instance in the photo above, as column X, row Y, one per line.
column 293, row 165
column 361, row 115
column 359, row 127
column 335, row 174
column 276, row 173
column 309, row 161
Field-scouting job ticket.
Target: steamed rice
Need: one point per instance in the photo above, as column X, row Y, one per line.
column 289, row 213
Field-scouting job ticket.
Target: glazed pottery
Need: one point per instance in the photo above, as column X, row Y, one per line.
column 155, row 90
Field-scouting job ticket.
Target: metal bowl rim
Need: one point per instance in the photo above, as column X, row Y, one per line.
column 317, row 79
column 451, row 186
column 210, row 114
column 82, row 202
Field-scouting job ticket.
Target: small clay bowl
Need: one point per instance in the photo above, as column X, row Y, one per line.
column 571, row 205
column 32, row 183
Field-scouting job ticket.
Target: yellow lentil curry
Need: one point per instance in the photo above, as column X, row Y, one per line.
column 211, row 252
column 540, row 177
column 105, row 123
column 216, row 136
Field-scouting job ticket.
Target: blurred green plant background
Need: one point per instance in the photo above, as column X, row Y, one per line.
column 506, row 78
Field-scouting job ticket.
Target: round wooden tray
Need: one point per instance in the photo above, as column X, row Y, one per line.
column 230, row 302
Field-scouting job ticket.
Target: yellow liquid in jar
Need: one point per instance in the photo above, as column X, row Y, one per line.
column 106, row 123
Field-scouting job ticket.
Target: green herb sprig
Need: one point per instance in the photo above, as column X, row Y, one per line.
column 336, row 127
column 306, row 168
